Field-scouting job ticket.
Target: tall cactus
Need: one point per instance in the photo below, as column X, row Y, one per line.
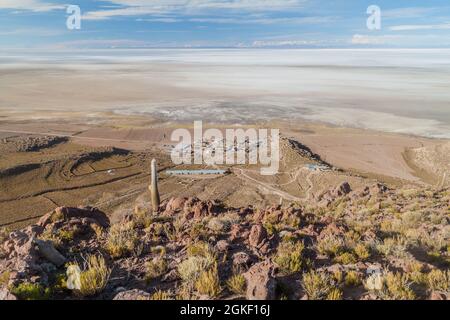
column 154, row 187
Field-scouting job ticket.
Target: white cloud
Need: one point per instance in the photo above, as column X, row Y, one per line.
column 188, row 7
column 285, row 43
column 31, row 5
column 243, row 20
column 37, row 32
column 363, row 39
column 443, row 26
column 106, row 43
column 411, row 12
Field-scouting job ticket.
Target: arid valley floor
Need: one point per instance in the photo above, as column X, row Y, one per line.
column 69, row 161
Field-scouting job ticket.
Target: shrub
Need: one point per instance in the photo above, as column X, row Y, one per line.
column 236, row 284
column 331, row 245
column 338, row 276
column 199, row 270
column 219, row 225
column 416, row 275
column 289, row 257
column 30, row 291
column 346, row 258
column 392, row 246
column 199, row 230
column 439, row 280
column 156, row 268
column 3, row 234
column 94, row 277
column 200, row 249
column 191, row 268
column 397, row 287
column 317, row 285
column 4, row 278
column 142, row 218
column 352, row 279
column 361, row 251
column 334, row 294
column 208, row 283
column 122, row 240
column 160, row 295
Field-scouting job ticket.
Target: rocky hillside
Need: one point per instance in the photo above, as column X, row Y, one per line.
column 372, row 243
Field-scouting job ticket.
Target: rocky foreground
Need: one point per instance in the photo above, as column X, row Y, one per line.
column 373, row 243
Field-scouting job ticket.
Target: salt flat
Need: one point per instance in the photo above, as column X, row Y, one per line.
column 403, row 91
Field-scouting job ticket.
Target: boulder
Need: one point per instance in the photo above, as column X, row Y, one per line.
column 134, row 294
column 175, row 205
column 67, row 213
column 436, row 295
column 257, row 235
column 218, row 225
column 238, row 232
column 222, row 246
column 48, row 251
column 6, row 295
column 261, row 284
column 343, row 189
column 241, row 259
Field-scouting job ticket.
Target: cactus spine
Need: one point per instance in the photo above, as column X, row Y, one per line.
column 154, row 187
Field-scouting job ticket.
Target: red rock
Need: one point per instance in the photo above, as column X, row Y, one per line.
column 6, row 295
column 82, row 212
column 134, row 294
column 436, row 295
column 222, row 246
column 176, row 204
column 257, row 235
column 238, row 232
column 261, row 283
column 241, row 259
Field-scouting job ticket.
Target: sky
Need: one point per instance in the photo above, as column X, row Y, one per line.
column 224, row 23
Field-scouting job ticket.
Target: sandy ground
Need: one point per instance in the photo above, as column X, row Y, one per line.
column 364, row 151
column 80, row 171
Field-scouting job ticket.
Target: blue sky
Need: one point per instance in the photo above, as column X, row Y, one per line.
column 224, row 23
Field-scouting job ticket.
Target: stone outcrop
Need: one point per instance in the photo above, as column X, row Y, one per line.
column 28, row 256
column 261, row 283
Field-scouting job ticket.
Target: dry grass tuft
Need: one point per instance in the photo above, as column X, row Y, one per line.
column 237, row 284
column 289, row 257
column 208, row 283
column 122, row 240
column 317, row 285
column 94, row 277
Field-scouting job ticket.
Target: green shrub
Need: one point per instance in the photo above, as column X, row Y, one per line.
column 156, row 268
column 317, row 285
column 236, row 284
column 31, row 291
column 397, row 287
column 122, row 240
column 94, row 277
column 352, row 279
column 289, row 257
column 208, row 283
column 331, row 245
column 439, row 280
